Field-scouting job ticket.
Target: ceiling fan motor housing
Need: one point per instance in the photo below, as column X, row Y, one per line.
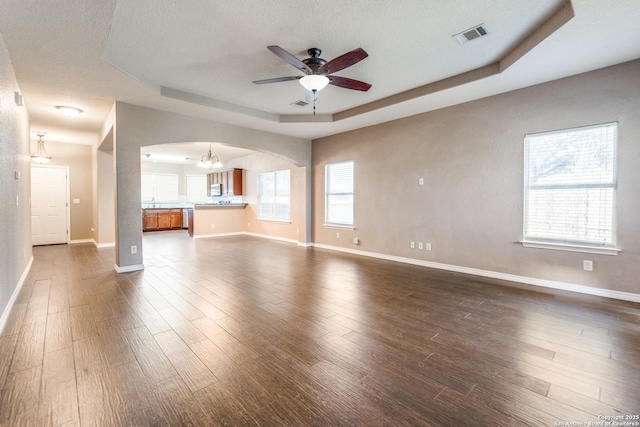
column 315, row 62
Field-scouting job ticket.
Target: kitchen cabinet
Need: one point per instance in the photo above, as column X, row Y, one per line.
column 176, row 219
column 161, row 219
column 149, row 220
column 230, row 180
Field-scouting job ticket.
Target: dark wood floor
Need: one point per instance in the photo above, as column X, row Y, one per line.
column 247, row 331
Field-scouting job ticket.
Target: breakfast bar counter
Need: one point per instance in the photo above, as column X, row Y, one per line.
column 218, row 219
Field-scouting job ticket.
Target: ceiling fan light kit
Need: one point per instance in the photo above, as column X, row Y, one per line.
column 314, row 82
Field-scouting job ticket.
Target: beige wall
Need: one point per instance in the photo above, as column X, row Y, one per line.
column 15, row 184
column 79, row 160
column 104, row 215
column 471, row 159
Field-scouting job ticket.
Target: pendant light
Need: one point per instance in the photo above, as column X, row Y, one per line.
column 41, row 155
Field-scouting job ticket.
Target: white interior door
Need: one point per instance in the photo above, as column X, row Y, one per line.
column 48, row 205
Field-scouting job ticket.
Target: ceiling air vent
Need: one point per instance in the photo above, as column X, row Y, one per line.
column 299, row 104
column 470, row 34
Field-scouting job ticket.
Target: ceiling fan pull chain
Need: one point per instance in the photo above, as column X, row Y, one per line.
column 315, row 96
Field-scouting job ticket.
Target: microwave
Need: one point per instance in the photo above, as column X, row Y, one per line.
column 216, row 189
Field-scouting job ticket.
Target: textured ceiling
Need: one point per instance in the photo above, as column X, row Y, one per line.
column 199, row 57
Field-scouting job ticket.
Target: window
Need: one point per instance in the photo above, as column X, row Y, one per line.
column 274, row 195
column 196, row 188
column 339, row 194
column 570, row 183
column 159, row 187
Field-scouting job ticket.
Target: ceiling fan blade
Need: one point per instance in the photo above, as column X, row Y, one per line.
column 290, row 59
column 277, row 79
column 349, row 83
column 343, row 61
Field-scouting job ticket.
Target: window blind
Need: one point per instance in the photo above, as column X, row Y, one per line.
column 339, row 193
column 274, row 195
column 159, row 187
column 570, row 182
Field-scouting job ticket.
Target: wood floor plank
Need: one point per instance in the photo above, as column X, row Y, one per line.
column 58, row 332
column 58, row 393
column 58, row 295
column 89, row 355
column 116, row 396
column 190, row 368
column 82, row 323
column 20, row 398
column 150, row 357
column 15, row 320
column 29, row 348
column 185, row 329
column 7, row 348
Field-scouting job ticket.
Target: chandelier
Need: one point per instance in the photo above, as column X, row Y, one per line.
column 210, row 161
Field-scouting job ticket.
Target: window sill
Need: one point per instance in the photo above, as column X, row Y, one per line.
column 571, row 248
column 283, row 221
column 340, row 226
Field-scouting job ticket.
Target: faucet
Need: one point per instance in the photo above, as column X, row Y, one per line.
column 153, row 200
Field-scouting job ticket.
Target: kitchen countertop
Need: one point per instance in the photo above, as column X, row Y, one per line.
column 219, row 205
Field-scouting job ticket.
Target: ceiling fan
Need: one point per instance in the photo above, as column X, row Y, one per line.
column 318, row 72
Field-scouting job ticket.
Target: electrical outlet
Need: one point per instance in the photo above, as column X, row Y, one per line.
column 428, row 246
column 587, row 265
column 213, row 226
column 421, row 181
column 420, row 246
column 356, row 241
column 412, row 245
column 134, row 249
column 337, row 235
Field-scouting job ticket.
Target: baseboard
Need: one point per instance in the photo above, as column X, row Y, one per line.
column 78, row 241
column 14, row 295
column 203, row 236
column 129, row 268
column 266, row 236
column 103, row 245
column 551, row 284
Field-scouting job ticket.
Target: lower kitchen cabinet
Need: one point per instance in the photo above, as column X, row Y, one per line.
column 161, row 219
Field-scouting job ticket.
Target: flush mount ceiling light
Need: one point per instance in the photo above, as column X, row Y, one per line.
column 41, row 155
column 69, row 111
column 210, row 161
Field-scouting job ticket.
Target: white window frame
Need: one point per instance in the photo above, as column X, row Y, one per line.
column 328, row 193
column 278, row 194
column 154, row 191
column 568, row 242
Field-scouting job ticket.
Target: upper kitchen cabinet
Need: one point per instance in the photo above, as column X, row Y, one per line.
column 229, row 180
